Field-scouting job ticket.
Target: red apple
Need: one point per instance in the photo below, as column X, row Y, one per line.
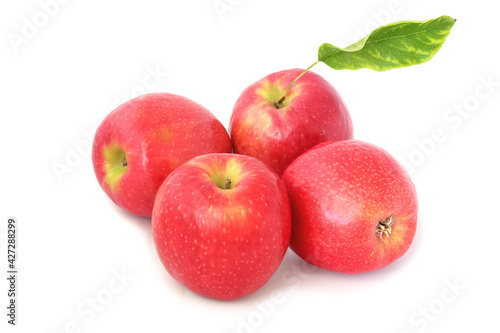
column 354, row 207
column 143, row 140
column 221, row 225
column 312, row 112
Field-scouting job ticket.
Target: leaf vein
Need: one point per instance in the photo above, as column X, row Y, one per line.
column 401, row 36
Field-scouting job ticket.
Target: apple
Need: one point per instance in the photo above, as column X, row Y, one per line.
column 221, row 225
column 354, row 207
column 139, row 143
column 276, row 130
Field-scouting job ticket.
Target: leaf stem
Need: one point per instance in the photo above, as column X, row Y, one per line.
column 279, row 103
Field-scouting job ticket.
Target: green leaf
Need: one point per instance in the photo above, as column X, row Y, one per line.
column 395, row 45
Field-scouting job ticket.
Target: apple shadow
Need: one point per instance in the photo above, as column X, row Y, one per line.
column 143, row 223
column 295, row 273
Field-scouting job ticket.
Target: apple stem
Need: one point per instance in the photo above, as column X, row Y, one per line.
column 124, row 163
column 228, row 184
column 279, row 104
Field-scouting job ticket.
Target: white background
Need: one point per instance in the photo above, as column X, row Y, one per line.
column 90, row 55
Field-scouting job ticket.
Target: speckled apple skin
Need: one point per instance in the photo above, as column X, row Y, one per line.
column 316, row 113
column 158, row 132
column 339, row 191
column 222, row 244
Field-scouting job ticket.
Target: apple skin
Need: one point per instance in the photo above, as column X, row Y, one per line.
column 313, row 113
column 154, row 133
column 339, row 191
column 222, row 243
